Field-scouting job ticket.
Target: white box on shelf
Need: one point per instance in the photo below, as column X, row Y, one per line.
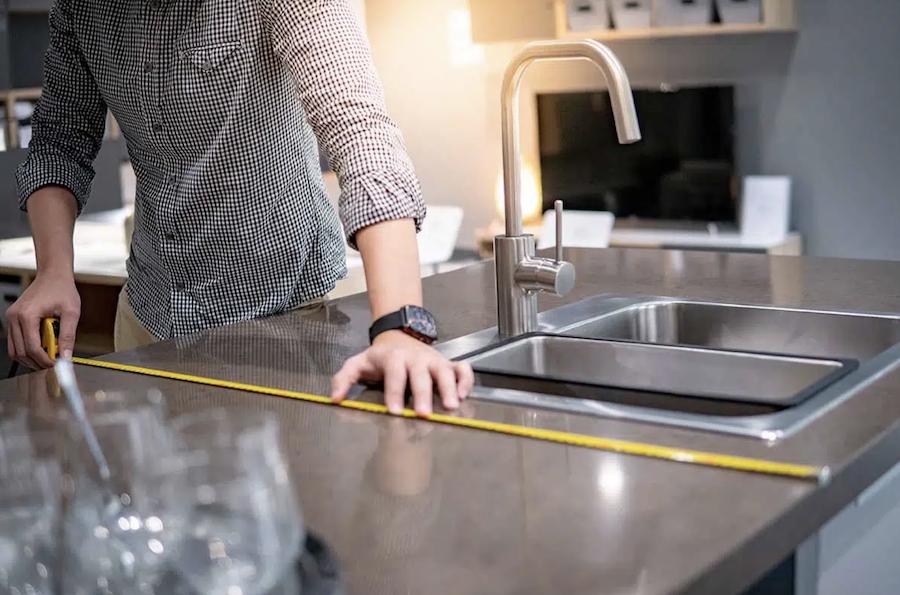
column 766, row 207
column 740, row 12
column 632, row 14
column 682, row 13
column 587, row 15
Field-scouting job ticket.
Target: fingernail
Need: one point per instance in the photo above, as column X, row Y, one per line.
column 67, row 354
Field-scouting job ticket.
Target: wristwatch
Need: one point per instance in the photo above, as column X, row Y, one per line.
column 414, row 321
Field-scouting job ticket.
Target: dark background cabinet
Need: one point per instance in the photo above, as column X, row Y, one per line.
column 4, row 46
column 22, row 6
column 24, row 36
column 28, row 39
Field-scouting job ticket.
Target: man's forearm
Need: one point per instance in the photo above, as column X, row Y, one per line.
column 51, row 212
column 390, row 256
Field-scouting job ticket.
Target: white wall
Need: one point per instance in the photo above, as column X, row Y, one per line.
column 448, row 112
column 832, row 122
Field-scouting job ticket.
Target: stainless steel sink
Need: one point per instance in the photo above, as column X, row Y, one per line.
column 688, row 371
column 754, row 328
column 741, row 369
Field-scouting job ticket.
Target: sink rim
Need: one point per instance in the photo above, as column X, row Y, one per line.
column 770, row 427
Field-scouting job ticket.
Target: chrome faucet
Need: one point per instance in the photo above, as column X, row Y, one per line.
column 521, row 275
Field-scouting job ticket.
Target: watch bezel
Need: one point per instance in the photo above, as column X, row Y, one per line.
column 409, row 323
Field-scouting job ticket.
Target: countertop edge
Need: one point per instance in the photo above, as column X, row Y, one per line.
column 783, row 535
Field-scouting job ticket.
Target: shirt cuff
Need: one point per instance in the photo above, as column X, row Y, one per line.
column 379, row 197
column 53, row 170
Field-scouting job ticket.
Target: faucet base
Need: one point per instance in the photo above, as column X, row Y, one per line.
column 516, row 306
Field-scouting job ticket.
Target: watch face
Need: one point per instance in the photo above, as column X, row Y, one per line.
column 421, row 323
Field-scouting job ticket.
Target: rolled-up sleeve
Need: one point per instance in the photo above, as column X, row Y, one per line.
column 324, row 47
column 69, row 119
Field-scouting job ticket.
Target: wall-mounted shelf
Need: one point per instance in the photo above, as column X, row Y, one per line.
column 675, row 32
column 499, row 21
column 779, row 16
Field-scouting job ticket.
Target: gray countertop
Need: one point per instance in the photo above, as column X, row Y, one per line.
column 416, row 507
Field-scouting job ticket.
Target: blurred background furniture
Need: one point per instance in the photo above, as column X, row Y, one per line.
column 581, row 229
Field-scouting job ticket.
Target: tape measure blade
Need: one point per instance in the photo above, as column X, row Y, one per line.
column 701, row 458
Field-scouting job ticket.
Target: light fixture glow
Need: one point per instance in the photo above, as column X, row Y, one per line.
column 463, row 51
column 530, row 194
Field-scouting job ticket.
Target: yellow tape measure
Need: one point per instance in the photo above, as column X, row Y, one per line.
column 694, row 457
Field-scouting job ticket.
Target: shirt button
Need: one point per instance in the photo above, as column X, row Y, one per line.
column 148, row 66
column 170, row 237
column 157, row 127
column 173, row 179
column 179, row 286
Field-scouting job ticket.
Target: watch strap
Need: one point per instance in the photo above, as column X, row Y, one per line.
column 388, row 322
column 415, row 321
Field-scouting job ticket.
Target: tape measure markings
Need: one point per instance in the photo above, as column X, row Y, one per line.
column 708, row 459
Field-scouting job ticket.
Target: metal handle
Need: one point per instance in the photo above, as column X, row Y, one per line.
column 558, row 207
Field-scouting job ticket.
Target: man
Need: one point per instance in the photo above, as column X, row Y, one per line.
column 222, row 103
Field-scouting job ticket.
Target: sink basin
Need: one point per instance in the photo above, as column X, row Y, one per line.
column 742, row 369
column 688, row 371
column 751, row 328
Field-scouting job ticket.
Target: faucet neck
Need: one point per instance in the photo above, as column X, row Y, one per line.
column 620, row 96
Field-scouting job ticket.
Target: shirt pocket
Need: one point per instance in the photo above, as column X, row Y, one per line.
column 209, row 57
column 212, row 37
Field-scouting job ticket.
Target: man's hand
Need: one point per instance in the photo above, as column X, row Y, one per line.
column 47, row 296
column 400, row 361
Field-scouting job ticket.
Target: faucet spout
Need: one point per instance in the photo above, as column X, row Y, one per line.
column 620, row 94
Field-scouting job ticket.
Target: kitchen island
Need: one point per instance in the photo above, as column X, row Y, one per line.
column 411, row 506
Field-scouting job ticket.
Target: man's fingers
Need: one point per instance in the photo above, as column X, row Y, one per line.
column 465, row 379
column 68, row 323
column 10, row 344
column 422, row 387
column 15, row 330
column 446, row 382
column 344, row 380
column 14, row 342
column 394, row 384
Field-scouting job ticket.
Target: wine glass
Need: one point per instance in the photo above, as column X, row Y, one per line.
column 29, row 506
column 120, row 531
column 245, row 528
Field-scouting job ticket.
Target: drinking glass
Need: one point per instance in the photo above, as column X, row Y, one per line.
column 120, row 531
column 29, row 506
column 245, row 528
